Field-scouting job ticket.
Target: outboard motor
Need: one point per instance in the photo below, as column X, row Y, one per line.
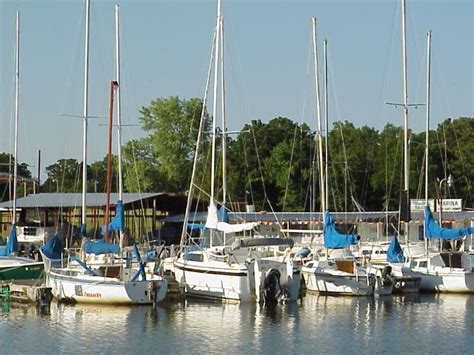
column 271, row 286
column 387, row 275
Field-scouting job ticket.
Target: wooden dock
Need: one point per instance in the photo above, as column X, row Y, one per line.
column 14, row 292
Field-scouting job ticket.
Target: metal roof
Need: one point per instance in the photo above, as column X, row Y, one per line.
column 304, row 217
column 73, row 200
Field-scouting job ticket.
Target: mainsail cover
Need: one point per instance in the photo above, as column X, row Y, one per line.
column 395, row 252
column 100, row 247
column 333, row 239
column 433, row 230
column 12, row 243
column 217, row 219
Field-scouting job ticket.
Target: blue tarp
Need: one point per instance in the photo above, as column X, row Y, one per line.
column 101, row 247
column 433, row 230
column 12, row 243
column 53, row 248
column 333, row 239
column 196, row 226
column 117, row 223
column 395, row 252
column 223, row 216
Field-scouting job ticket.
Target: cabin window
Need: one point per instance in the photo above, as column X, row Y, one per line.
column 413, row 264
column 423, row 263
column 365, row 252
column 193, row 257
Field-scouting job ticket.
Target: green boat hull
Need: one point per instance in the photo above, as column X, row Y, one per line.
column 32, row 271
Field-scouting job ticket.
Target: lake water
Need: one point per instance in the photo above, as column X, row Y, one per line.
column 424, row 324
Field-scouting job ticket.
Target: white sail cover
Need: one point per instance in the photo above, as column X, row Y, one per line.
column 212, row 220
column 235, row 228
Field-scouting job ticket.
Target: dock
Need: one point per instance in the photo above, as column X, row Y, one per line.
column 13, row 292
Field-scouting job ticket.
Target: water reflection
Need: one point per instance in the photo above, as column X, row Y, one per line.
column 411, row 323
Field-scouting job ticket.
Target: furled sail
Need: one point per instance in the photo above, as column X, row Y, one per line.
column 333, row 239
column 395, row 252
column 212, row 219
column 53, row 248
column 433, row 230
column 117, row 224
column 12, row 243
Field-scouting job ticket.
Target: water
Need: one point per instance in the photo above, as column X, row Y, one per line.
column 318, row 324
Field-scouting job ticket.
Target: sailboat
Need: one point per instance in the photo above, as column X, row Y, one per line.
column 109, row 283
column 247, row 270
column 336, row 272
column 12, row 267
column 445, row 271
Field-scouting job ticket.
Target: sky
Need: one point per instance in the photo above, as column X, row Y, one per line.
column 166, row 47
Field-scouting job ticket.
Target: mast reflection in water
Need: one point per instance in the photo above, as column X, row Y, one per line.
column 318, row 324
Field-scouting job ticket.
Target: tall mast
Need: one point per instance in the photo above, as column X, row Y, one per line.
column 405, row 103
column 326, row 123
column 198, row 144
column 85, row 116
column 119, row 107
column 214, row 106
column 428, row 103
column 17, row 108
column 113, row 86
column 224, row 128
column 318, row 114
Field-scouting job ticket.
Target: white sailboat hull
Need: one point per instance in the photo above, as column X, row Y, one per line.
column 334, row 282
column 449, row 280
column 214, row 281
column 243, row 282
column 71, row 285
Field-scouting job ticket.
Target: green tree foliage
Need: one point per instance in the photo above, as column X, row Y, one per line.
column 273, row 164
column 7, row 162
column 65, row 176
column 163, row 160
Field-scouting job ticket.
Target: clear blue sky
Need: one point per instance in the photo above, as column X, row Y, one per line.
column 166, row 49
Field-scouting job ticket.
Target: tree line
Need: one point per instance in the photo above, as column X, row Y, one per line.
column 274, row 165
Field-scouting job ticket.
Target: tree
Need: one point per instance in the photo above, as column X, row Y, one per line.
column 172, row 124
column 64, row 176
column 7, row 162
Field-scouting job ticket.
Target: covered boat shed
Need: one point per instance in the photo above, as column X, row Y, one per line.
column 142, row 210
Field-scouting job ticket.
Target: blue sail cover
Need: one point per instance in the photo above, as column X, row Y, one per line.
column 117, row 224
column 395, row 252
column 101, row 247
column 196, row 226
column 433, row 230
column 12, row 243
column 223, row 216
column 53, row 248
column 333, row 239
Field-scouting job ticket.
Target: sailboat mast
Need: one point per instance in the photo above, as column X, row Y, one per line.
column 85, row 116
column 318, row 114
column 214, row 106
column 326, row 123
column 198, row 144
column 117, row 98
column 17, row 108
column 405, row 103
column 224, row 128
column 113, row 86
column 428, row 102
